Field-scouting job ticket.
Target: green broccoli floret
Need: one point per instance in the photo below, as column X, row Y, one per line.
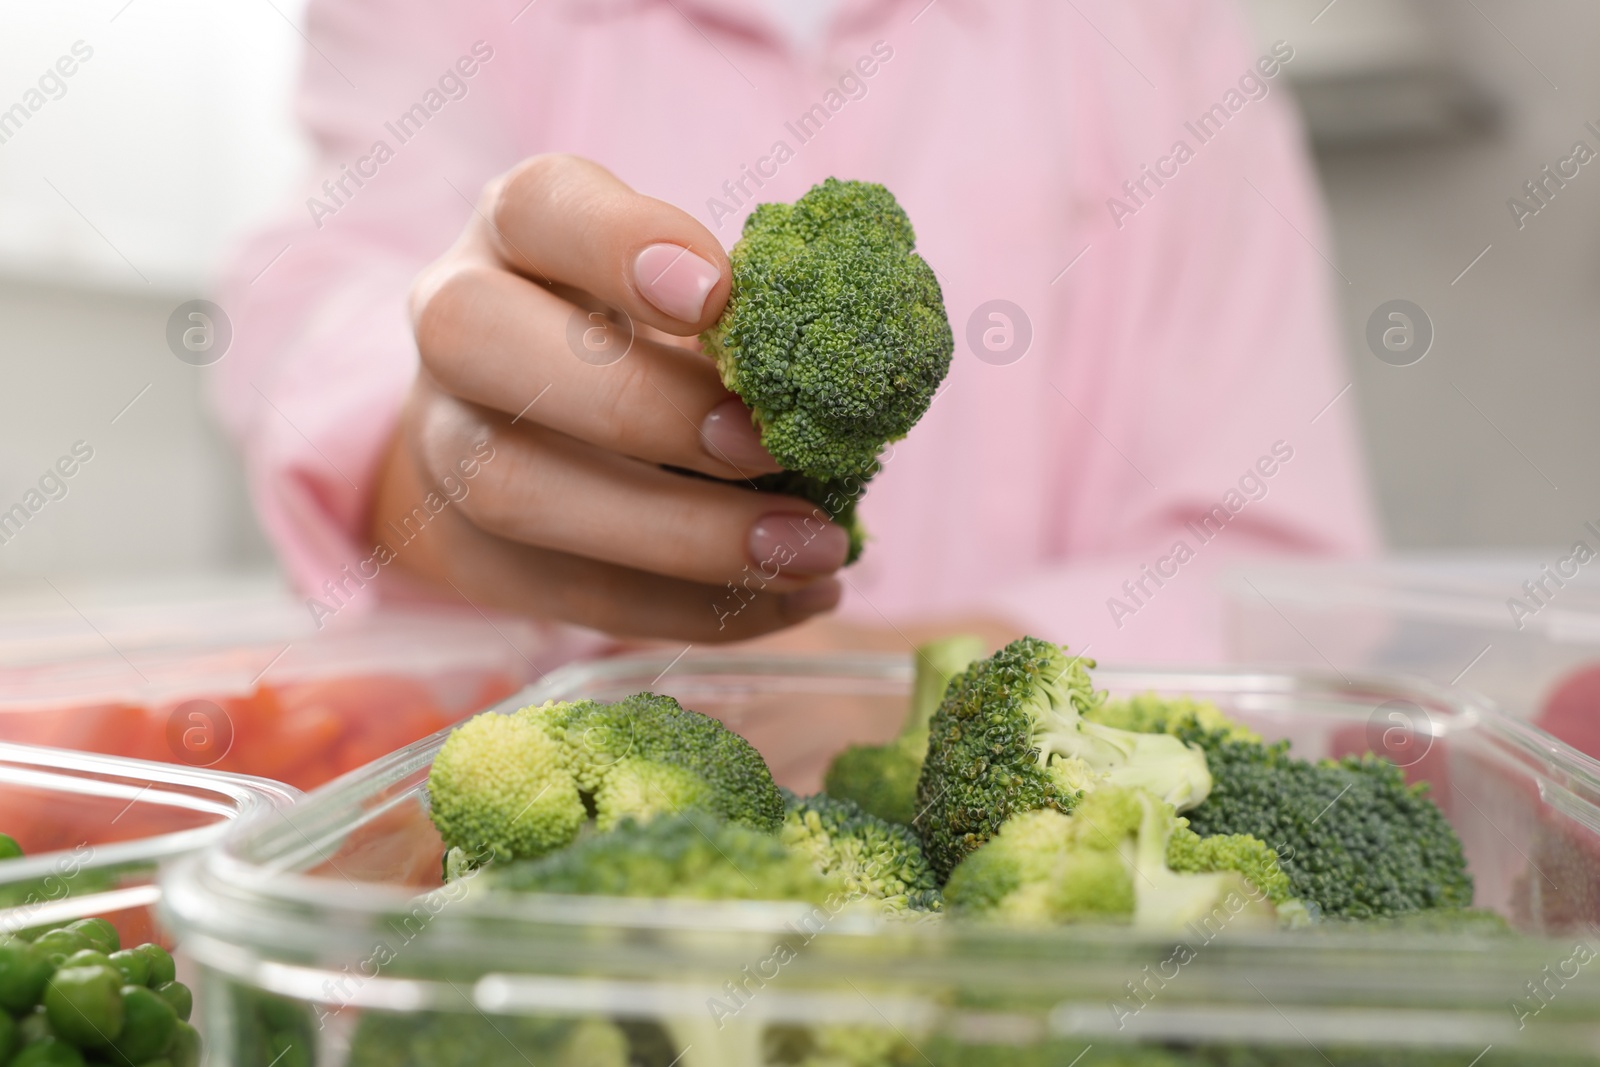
column 471, row 1039
column 1147, row 713
column 264, row 1028
column 1472, row 922
column 1250, row 856
column 634, row 787
column 1107, row 860
column 953, row 1052
column 1010, row 736
column 1046, row 867
column 501, row 785
column 835, row 334
column 882, row 779
column 837, row 1046
column 646, row 754
column 1169, row 900
column 877, row 860
column 519, row 786
column 690, row 856
column 739, row 1043
column 1353, row 838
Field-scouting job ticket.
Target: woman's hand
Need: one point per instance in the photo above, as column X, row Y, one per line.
column 559, row 383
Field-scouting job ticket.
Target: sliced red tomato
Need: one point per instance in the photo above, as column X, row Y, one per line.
column 1572, row 710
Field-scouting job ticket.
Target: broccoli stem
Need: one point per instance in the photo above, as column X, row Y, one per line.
column 937, row 662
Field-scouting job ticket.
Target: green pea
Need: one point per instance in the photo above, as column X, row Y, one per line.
column 34, row 1026
column 185, row 1048
column 23, row 972
column 85, row 1005
column 147, row 1026
column 88, row 957
column 51, row 1052
column 101, row 934
column 60, row 943
column 177, row 994
column 162, row 969
column 8, row 1035
column 134, row 965
column 9, row 849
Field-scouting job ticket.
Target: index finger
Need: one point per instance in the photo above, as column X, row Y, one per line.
column 565, row 220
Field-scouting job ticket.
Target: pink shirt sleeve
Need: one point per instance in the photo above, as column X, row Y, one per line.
column 323, row 354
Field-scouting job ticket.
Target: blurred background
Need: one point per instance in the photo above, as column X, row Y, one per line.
column 1426, row 116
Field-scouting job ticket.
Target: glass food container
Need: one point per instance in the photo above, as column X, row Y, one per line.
column 1522, row 630
column 327, row 935
column 241, row 678
column 94, row 829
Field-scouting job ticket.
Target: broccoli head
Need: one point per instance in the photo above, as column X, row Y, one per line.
column 835, row 331
column 1046, row 867
column 955, row 1052
column 882, row 779
column 835, row 334
column 877, row 860
column 1147, row 713
column 646, row 753
column 948, row 1051
column 519, row 786
column 1250, row 856
column 734, row 1042
column 837, row 1046
column 501, row 785
column 1108, row 861
column 472, row 1039
column 1464, row 922
column 1169, row 900
column 1354, row 840
column 641, row 789
column 691, row 856
column 1011, row 736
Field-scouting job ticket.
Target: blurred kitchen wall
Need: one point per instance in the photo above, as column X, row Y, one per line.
column 1489, row 439
column 118, row 192
column 117, row 196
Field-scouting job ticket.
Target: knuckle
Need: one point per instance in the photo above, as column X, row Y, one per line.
column 534, row 180
column 616, row 398
column 423, row 288
column 448, row 431
column 442, row 302
column 505, row 500
column 488, row 508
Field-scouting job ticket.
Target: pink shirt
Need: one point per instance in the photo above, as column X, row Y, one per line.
column 1129, row 173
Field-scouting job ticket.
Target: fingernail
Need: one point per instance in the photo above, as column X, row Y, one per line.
column 675, row 280
column 819, row 596
column 798, row 544
column 727, row 434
